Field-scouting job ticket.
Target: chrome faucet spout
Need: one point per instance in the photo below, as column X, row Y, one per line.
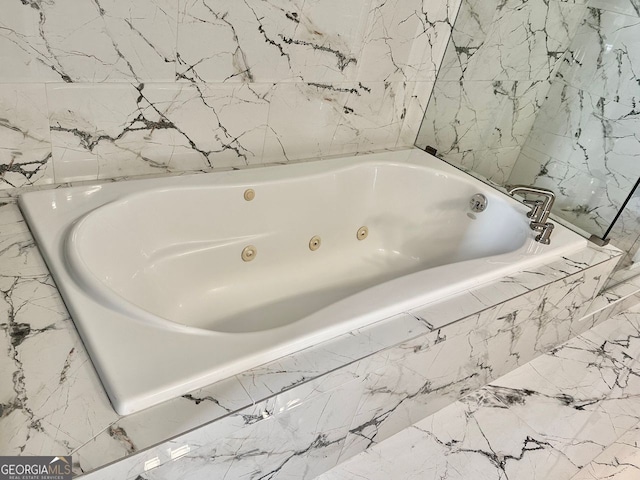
column 540, row 214
column 540, row 211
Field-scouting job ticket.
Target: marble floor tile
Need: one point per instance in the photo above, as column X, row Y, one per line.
column 620, row 461
column 463, row 441
column 581, row 396
column 572, row 413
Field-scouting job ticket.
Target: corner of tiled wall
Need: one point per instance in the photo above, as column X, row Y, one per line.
column 584, row 143
column 493, row 80
column 101, row 90
column 545, row 92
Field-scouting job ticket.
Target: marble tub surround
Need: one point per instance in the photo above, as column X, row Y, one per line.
column 161, row 292
column 112, row 89
column 477, row 437
column 52, row 399
column 25, row 146
column 394, row 391
column 493, row 80
column 615, row 297
column 571, row 413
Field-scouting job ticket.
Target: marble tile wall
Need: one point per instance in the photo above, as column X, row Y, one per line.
column 112, row 88
column 585, row 141
column 495, row 75
column 546, row 93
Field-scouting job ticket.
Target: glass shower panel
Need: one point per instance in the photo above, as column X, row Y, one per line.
column 624, row 233
column 544, row 93
column 585, row 141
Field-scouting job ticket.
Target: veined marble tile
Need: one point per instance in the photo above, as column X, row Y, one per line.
column 159, row 127
column 581, row 198
column 421, row 376
column 619, row 461
column 295, row 370
column 583, row 319
column 469, row 33
column 495, row 164
column 45, row 361
column 604, row 57
column 591, row 134
column 389, row 37
column 560, row 121
column 132, row 433
column 137, row 464
column 621, row 334
column 406, row 39
column 469, row 116
column 627, row 7
column 442, row 313
column 584, row 143
column 531, row 324
column 399, row 393
column 274, row 41
column 430, row 43
column 50, row 368
column 286, row 383
column 520, row 330
column 96, row 120
column 511, row 40
column 520, row 105
column 23, row 50
column 457, row 115
column 372, row 117
column 571, row 294
column 17, row 248
column 585, row 149
column 560, row 406
column 286, row 444
column 266, row 435
column 416, row 379
column 303, row 119
column 625, row 232
column 616, row 293
column 417, row 95
column 25, row 145
column 110, row 40
column 464, row 440
column 567, row 395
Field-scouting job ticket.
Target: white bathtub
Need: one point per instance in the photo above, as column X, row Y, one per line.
column 153, row 275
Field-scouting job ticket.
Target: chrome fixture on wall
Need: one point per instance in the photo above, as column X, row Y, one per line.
column 540, row 210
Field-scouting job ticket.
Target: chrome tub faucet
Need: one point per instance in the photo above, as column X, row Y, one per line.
column 540, row 210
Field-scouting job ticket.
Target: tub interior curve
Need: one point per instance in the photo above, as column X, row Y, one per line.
column 176, row 252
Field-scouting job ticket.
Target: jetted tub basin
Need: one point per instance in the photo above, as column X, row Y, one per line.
column 177, row 282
